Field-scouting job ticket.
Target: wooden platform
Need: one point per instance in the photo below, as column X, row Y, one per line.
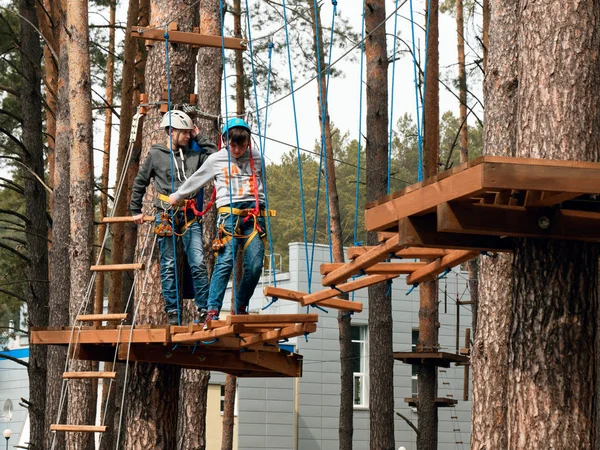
column 439, row 359
column 244, row 345
column 440, row 402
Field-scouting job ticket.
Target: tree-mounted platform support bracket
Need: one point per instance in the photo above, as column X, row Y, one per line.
column 190, row 38
column 438, row 359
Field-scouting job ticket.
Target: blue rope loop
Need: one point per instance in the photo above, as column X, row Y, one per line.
column 173, row 349
column 273, row 300
column 412, row 288
column 443, row 275
column 237, row 335
column 215, row 340
column 306, row 337
column 389, row 289
column 314, row 305
column 348, row 314
column 338, row 289
column 195, row 346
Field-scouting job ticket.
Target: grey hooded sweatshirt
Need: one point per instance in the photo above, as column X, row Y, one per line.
column 157, row 166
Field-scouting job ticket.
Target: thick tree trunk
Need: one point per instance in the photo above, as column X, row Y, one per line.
column 462, row 83
column 228, row 412
column 60, row 272
column 555, row 289
column 381, row 362
column 485, row 32
column 494, row 314
column 35, row 209
column 428, row 291
column 82, row 408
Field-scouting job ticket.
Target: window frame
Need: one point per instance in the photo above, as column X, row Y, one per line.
column 363, row 375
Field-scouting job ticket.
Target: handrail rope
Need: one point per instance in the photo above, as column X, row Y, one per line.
column 139, row 302
column 360, row 107
column 391, row 118
column 287, row 39
column 262, row 142
column 306, row 83
column 417, row 97
column 226, row 143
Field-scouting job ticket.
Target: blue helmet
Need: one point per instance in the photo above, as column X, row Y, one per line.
column 233, row 123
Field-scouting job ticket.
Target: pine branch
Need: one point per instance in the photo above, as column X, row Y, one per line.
column 409, row 422
column 12, row 294
column 13, row 359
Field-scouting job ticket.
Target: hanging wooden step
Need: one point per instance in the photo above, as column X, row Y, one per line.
column 89, row 375
column 125, row 219
column 378, row 268
column 335, row 303
column 117, row 267
column 355, row 285
column 101, row 317
column 78, row 428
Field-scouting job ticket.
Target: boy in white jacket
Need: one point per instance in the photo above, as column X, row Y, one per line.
column 240, row 200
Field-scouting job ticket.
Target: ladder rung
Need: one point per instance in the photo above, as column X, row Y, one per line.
column 446, row 382
column 125, row 219
column 80, row 428
column 443, row 371
column 85, row 375
column 454, row 417
column 117, row 267
column 101, row 317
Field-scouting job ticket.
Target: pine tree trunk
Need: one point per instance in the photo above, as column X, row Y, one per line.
column 60, row 271
column 428, row 291
column 381, row 362
column 462, row 83
column 485, row 32
column 229, row 412
column 35, row 209
column 494, row 314
column 555, row 288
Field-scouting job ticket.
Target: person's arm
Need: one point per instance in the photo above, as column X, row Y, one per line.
column 140, row 183
column 199, row 178
column 205, row 143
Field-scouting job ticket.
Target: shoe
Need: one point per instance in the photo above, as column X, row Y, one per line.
column 211, row 314
column 203, row 313
column 173, row 318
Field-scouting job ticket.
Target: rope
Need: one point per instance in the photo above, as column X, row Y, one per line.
column 287, row 40
column 360, row 105
column 389, row 168
column 417, row 97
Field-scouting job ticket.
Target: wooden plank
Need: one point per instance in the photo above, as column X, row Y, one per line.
column 369, row 280
column 440, row 402
column 519, row 221
column 101, row 317
column 465, row 183
column 182, row 37
column 78, row 428
column 439, row 359
column 271, row 318
column 274, row 362
column 104, row 336
column 408, row 253
column 433, row 269
column 375, row 255
column 207, row 335
column 117, row 267
column 89, row 375
column 379, row 268
column 288, row 332
column 336, row 303
column 553, row 198
column 422, row 231
column 125, row 219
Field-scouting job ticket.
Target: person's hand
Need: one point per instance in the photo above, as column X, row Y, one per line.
column 173, row 200
column 195, row 131
column 139, row 218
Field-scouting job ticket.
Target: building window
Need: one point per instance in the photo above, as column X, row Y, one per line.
column 414, row 367
column 222, row 402
column 359, row 365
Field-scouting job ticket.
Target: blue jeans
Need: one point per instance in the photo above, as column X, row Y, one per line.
column 194, row 250
column 254, row 255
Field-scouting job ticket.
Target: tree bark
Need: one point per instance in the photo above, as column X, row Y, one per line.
column 36, row 228
column 494, row 314
column 485, row 28
column 82, row 408
column 229, row 412
column 381, row 362
column 60, row 271
column 462, row 84
column 428, row 291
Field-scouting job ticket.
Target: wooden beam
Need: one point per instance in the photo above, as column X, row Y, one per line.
column 207, row 335
column 422, row 231
column 251, row 319
column 465, row 183
column 78, row 428
column 117, row 267
column 94, row 336
column 518, row 221
column 432, row 270
column 407, row 253
column 182, row 37
column 554, row 198
column 101, row 317
column 125, row 219
column 375, row 255
column 89, row 375
column 292, row 331
column 274, row 362
column 360, row 283
column 378, row 269
column 335, row 303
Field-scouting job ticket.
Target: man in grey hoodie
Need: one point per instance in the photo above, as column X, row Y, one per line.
column 170, row 166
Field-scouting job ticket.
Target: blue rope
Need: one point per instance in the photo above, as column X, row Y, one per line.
column 287, row 40
column 172, row 159
column 231, row 219
column 411, row 289
column 262, row 142
column 389, row 171
column 443, row 275
column 424, row 87
column 357, row 188
column 417, row 97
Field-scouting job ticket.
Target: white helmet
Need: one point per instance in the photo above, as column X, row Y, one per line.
column 179, row 120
